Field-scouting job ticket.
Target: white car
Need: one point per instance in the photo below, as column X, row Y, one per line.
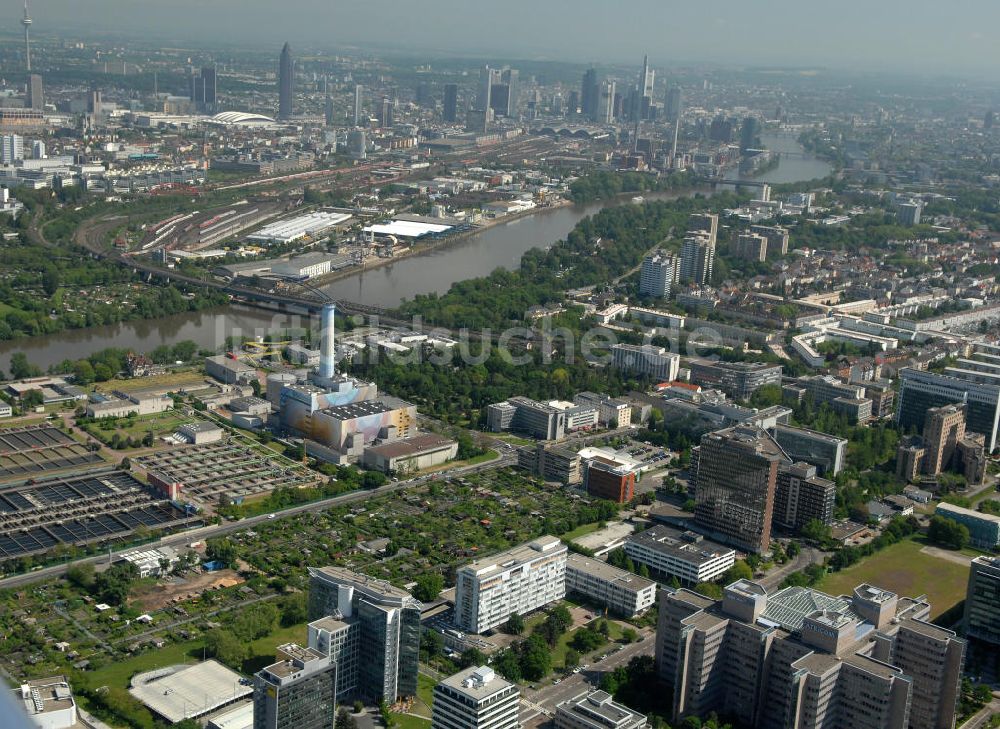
column 271, row 516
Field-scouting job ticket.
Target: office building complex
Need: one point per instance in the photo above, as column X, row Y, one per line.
column 658, row 275
column 608, row 478
column 552, row 463
column 982, row 601
column 450, row 108
column 920, row 391
column 736, row 477
column 369, row 628
column 296, row 692
column 800, row 496
column 619, row 591
column 909, row 213
column 613, row 412
column 646, row 361
column 286, row 82
column 541, row 420
column 822, row 450
column 697, row 259
column 520, row 580
column 802, row 658
column 984, row 529
column 476, row 698
column 737, row 379
column 846, row 398
column 596, row 710
column 684, row 555
column 944, row 428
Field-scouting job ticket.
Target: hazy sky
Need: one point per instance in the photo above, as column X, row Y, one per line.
column 898, row 35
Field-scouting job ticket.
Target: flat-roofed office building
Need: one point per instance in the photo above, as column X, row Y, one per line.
column 476, row 698
column 619, row 591
column 298, row 691
column 674, row 553
column 596, row 710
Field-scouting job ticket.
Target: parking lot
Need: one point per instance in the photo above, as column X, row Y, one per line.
column 39, row 449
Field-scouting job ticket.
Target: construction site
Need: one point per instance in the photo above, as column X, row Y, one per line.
column 99, row 506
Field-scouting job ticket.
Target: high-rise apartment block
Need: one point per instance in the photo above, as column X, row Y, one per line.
column 476, row 698
column 369, row 628
column 750, row 247
column 520, row 580
column 296, row 692
column 697, row 259
column 658, row 275
column 777, row 239
column 707, row 223
column 982, row 601
column 736, row 478
column 802, row 658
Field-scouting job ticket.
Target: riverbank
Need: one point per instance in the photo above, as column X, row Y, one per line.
column 435, row 244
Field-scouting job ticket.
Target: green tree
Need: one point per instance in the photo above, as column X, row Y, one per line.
column 429, row 586
column 535, row 658
column 948, row 533
column 293, row 609
column 514, row 625
column 20, row 368
column 572, row 659
column 226, row 647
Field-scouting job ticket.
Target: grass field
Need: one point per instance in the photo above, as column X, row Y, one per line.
column 581, row 530
column 170, row 380
column 160, row 423
column 905, row 570
column 261, row 654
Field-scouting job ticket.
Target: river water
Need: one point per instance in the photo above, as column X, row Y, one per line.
column 436, row 270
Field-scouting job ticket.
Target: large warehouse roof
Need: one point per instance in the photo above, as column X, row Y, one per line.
column 406, row 229
column 241, row 117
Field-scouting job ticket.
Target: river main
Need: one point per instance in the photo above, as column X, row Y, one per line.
column 386, row 286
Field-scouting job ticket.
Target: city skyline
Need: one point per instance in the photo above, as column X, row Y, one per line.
column 889, row 36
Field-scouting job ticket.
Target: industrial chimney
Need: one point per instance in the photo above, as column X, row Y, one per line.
column 327, row 347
